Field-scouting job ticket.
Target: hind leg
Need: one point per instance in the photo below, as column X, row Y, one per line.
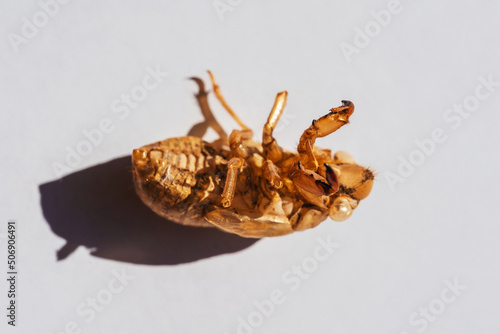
column 226, row 106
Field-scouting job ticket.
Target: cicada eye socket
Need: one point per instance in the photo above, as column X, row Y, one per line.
column 342, row 208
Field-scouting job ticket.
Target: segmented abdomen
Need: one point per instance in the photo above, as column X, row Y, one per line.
column 173, row 176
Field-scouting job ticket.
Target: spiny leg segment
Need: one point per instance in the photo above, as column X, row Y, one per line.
column 307, row 174
column 331, row 122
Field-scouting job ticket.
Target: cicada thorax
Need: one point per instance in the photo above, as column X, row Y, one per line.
column 180, row 178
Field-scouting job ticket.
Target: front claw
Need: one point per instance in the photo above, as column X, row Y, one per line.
column 331, row 122
column 336, row 118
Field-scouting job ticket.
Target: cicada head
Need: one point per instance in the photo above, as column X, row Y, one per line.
column 355, row 184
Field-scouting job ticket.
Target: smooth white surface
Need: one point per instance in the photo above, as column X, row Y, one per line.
column 396, row 251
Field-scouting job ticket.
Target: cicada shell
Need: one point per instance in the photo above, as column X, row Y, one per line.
column 246, row 187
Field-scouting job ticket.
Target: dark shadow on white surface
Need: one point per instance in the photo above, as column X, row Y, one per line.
column 98, row 208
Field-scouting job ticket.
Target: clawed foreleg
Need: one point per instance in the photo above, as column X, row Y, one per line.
column 336, row 118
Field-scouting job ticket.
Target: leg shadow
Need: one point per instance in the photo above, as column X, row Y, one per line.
column 98, row 208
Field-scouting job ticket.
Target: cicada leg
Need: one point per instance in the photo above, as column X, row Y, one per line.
column 331, row 122
column 237, row 142
column 272, row 150
column 233, row 170
column 226, row 106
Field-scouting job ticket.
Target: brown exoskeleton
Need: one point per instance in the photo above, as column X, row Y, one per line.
column 245, row 187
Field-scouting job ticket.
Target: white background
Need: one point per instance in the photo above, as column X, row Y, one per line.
column 395, row 253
